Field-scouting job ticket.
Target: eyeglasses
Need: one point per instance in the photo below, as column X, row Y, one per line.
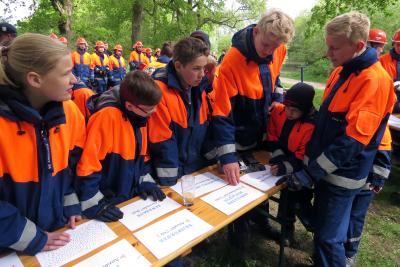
column 150, row 111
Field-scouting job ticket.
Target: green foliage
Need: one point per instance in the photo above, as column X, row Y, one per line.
column 328, row 9
column 163, row 20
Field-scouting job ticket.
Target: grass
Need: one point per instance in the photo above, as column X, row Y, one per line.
column 307, row 76
column 380, row 244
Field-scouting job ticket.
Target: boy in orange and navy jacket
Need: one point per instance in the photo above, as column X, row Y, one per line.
column 289, row 129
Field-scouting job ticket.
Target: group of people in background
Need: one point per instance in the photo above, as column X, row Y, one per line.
column 127, row 134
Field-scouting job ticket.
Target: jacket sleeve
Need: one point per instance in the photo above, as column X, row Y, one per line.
column 19, row 233
column 382, row 162
column 98, row 145
column 78, row 139
column 363, row 119
column 163, row 145
column 277, row 95
column 223, row 124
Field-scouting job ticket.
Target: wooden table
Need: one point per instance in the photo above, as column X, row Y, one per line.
column 200, row 208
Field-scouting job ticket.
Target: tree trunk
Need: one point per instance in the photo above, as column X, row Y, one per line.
column 65, row 9
column 137, row 15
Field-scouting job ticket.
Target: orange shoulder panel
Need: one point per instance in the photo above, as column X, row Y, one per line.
column 389, row 64
column 18, row 152
column 80, row 97
column 275, row 122
column 108, row 132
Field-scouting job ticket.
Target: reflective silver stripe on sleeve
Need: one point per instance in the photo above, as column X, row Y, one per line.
column 239, row 147
column 211, row 154
column 28, row 234
column 70, row 200
column 278, row 90
column 93, row 201
column 225, row 149
column 366, row 187
column 381, row 171
column 354, row 239
column 288, row 166
column 146, row 178
column 167, row 172
column 306, row 160
column 345, row 182
column 278, row 152
column 326, row 164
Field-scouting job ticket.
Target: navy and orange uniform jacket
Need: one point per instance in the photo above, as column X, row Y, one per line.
column 245, row 86
column 117, row 69
column 113, row 161
column 39, row 153
column 81, row 70
column 99, row 67
column 136, row 60
column 80, row 95
column 179, row 129
column 357, row 101
column 287, row 139
column 391, row 63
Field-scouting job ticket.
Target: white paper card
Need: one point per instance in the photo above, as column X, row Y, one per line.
column 262, row 180
column 84, row 238
column 142, row 212
column 164, row 237
column 205, row 182
column 11, row 260
column 394, row 121
column 120, row 254
column 232, row 198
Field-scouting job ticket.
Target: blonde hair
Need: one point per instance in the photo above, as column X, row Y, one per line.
column 30, row 52
column 353, row 25
column 277, row 23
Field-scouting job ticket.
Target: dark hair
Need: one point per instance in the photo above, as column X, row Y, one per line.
column 166, row 49
column 188, row 49
column 140, row 89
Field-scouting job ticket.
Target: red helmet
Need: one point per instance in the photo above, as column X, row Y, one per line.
column 53, row 36
column 99, row 44
column 396, row 37
column 148, row 50
column 138, row 43
column 377, row 36
column 118, row 47
column 81, row 40
column 63, row 40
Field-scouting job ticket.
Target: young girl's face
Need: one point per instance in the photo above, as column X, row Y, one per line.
column 293, row 113
column 56, row 85
column 192, row 72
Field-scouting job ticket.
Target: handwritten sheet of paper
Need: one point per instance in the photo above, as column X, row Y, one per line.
column 120, row 254
column 394, row 121
column 11, row 260
column 205, row 182
column 262, row 180
column 230, row 199
column 142, row 212
column 84, row 238
column 164, row 237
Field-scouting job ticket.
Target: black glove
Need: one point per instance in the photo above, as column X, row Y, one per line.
column 146, row 189
column 296, row 181
column 104, row 211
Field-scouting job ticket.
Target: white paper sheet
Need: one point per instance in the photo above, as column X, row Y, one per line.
column 84, row 238
column 262, row 180
column 205, row 182
column 142, row 212
column 394, row 121
column 164, row 237
column 230, row 199
column 11, row 260
column 120, row 254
